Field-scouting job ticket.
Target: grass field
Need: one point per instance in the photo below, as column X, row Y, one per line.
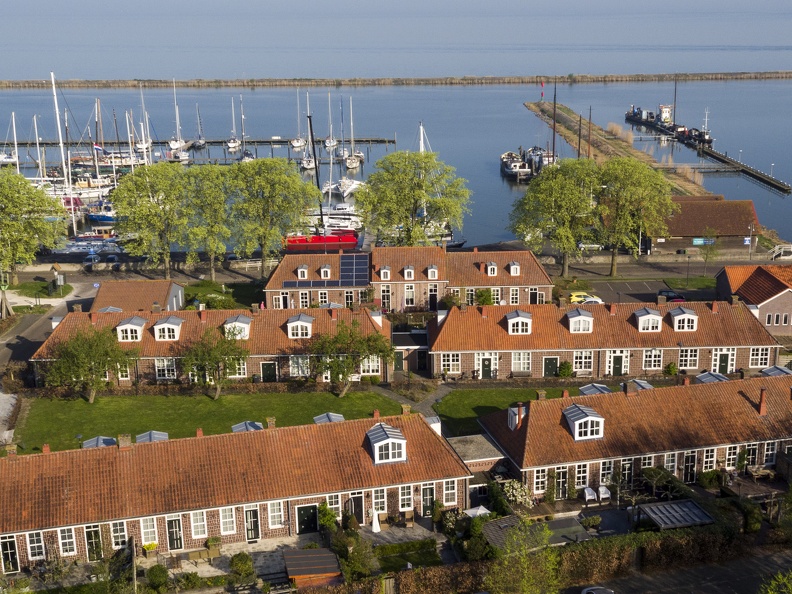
column 245, row 294
column 58, row 422
column 418, row 559
column 39, row 289
column 694, row 282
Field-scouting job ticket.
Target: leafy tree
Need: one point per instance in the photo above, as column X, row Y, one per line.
column 415, row 193
column 82, row 361
column 29, row 219
column 558, row 205
column 710, row 250
column 207, row 202
column 242, row 570
column 212, row 358
column 327, row 518
column 780, row 583
column 655, row 477
column 528, row 564
column 157, row 577
column 550, row 488
column 152, row 208
column 636, row 201
column 341, row 353
column 484, row 296
column 269, row 199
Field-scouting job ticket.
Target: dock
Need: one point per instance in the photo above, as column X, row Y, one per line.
column 274, row 141
column 747, row 170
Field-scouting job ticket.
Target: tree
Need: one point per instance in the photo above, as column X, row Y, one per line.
column 208, row 229
column 710, row 250
column 780, row 583
column 82, row 362
column 341, row 353
column 29, row 219
column 558, row 205
column 212, row 357
column 655, row 476
column 414, row 193
column 484, row 297
column 152, row 209
column 635, row 202
column 269, row 200
column 528, row 564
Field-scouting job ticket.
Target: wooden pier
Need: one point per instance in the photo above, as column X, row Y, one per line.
column 275, row 141
column 753, row 173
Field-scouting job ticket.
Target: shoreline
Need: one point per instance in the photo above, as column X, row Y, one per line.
column 569, row 79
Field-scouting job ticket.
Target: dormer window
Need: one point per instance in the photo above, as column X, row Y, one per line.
column 514, row 268
column 385, row 273
column 387, row 444
column 324, row 271
column 300, row 326
column 302, row 272
column 130, row 329
column 648, row 320
column 584, row 422
column 409, row 273
column 685, row 319
column 237, row 327
column 168, row 328
column 580, row 321
column 432, row 272
column 492, row 269
column 519, row 322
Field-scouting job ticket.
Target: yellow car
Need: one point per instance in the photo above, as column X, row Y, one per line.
column 583, row 297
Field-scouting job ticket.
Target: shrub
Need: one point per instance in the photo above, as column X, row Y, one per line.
column 497, row 499
column 518, row 493
column 591, row 522
column 189, row 581
column 150, row 546
column 157, row 577
column 310, row 545
column 241, row 566
column 327, row 517
column 483, row 296
column 213, row 542
column 550, row 488
column 214, row 301
column 565, row 369
column 374, row 380
column 450, row 519
column 437, row 511
column 572, row 491
column 217, row 580
column 709, row 479
column 670, row 369
column 402, row 548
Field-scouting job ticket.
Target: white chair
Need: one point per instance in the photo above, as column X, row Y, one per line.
column 604, row 493
column 589, row 494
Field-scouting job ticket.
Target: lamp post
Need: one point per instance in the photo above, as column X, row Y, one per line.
column 771, row 169
column 78, row 437
column 750, row 239
column 739, row 158
column 687, row 277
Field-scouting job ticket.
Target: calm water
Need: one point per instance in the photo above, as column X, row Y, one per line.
column 469, row 127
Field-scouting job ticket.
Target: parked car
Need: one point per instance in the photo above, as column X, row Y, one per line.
column 92, row 259
column 589, row 246
column 596, row 590
column 583, row 297
column 112, row 258
column 671, row 295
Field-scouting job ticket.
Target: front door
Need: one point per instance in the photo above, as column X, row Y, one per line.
column 252, row 531
column 617, row 365
column 421, row 360
column 550, row 366
column 486, row 369
column 561, row 483
column 269, row 371
column 307, row 519
column 354, row 506
column 175, row 541
column 8, row 552
column 93, row 542
column 689, row 475
column 427, row 500
column 398, row 361
column 723, row 363
column 433, row 301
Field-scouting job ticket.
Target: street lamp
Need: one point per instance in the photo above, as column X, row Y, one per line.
column 687, row 278
column 78, row 437
column 740, row 157
column 771, row 169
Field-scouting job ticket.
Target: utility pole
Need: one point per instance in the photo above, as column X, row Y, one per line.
column 589, row 133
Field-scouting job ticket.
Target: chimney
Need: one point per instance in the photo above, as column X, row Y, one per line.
column 714, row 307
column 125, row 441
column 270, row 422
column 204, row 315
column 463, row 307
column 376, row 414
column 156, row 307
column 661, row 299
column 94, row 318
column 333, row 313
column 565, row 394
column 562, row 302
column 45, row 449
column 77, row 308
column 734, row 300
column 762, row 402
column 475, row 250
column 519, row 414
column 11, row 450
column 199, row 432
column 406, row 409
column 376, row 267
column 612, row 309
column 340, row 252
column 484, row 311
column 686, row 380
column 541, row 394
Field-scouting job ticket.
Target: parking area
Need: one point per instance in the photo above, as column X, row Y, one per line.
column 627, row 291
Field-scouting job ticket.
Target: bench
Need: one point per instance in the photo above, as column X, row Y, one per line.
column 203, row 554
column 761, row 472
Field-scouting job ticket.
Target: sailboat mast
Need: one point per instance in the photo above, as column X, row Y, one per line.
column 298, row 113
column 351, row 129
column 16, row 149
column 67, row 178
column 38, row 147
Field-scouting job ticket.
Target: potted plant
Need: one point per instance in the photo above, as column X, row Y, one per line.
column 213, row 542
column 150, row 550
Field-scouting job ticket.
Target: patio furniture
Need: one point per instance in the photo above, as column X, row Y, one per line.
column 409, row 518
column 761, row 472
column 604, row 493
column 589, row 494
column 383, row 520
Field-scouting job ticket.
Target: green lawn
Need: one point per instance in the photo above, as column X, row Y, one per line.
column 418, row 559
column 694, row 282
column 57, row 422
column 39, row 289
column 245, row 294
column 461, row 409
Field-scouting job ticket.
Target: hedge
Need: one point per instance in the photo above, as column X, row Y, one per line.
column 400, row 548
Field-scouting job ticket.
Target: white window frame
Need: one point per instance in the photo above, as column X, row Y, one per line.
column 540, row 480
column 118, row 534
column 165, row 368
column 299, row 365
column 580, row 325
column 492, row 270
column 495, row 293
column 582, row 360
column 759, row 357
column 122, row 372
column 385, row 296
column 581, row 475
column 514, row 296
column 653, row 359
column 67, row 542
column 409, row 273
column 148, row 534
column 302, row 273
column 777, row 319
column 237, row 368
column 379, row 501
column 540, row 296
column 198, row 524
column 166, row 333
column 432, row 273
column 451, row 362
column 227, row 524
column 686, row 323
column 649, row 324
column 752, row 455
column 323, row 298
column 470, row 296
column 731, row 456
column 450, row 492
column 770, row 450
column 405, row 498
column 606, row 471
column 520, row 326
column 299, row 330
column 324, row 272
column 391, row 451
column 708, row 461
column 35, row 545
column 514, row 269
column 334, row 503
column 129, row 334
column 349, row 298
column 275, row 512
column 385, row 274
column 305, row 299
column 370, row 365
column 521, row 361
column 688, row 358
column 409, row 295
column 647, row 461
column 478, row 357
column 624, row 354
column 670, row 462
column 786, row 320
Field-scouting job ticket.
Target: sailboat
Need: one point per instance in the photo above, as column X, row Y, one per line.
column 144, row 144
column 298, row 142
column 177, row 142
column 233, row 142
column 353, row 160
column 246, row 154
column 330, row 141
column 308, row 162
column 200, row 142
column 11, row 158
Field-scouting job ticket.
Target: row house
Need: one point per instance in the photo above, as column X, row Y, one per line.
column 138, row 295
column 767, row 289
column 598, row 340
column 407, row 278
column 685, row 429
column 277, row 341
column 229, row 486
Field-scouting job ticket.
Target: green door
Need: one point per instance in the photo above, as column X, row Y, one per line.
column 723, row 363
column 175, row 540
column 306, row 519
column 427, row 500
column 486, row 369
column 617, row 364
column 269, row 372
column 550, row 366
column 398, row 361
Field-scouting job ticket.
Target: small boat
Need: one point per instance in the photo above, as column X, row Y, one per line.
column 331, row 141
column 299, row 141
column 177, row 157
column 354, row 160
column 513, row 165
column 9, row 158
column 304, row 243
column 103, row 212
column 308, row 163
column 200, row 142
column 233, row 143
column 177, row 143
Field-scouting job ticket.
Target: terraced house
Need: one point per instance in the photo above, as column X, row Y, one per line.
column 85, row 504
column 599, row 340
column 686, row 429
column 277, row 340
column 766, row 289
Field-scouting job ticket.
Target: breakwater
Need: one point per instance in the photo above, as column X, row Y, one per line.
column 569, row 79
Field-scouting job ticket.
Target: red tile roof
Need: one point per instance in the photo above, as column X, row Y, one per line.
column 96, row 485
column 649, row 422
column 757, row 284
column 737, row 275
column 420, row 258
column 470, row 330
column 137, row 295
column 268, row 335
column 468, row 269
column 726, row 217
column 287, row 269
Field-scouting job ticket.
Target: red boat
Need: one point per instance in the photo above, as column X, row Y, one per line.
column 302, row 243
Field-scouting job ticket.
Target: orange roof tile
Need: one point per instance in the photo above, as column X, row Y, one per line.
column 726, row 217
column 651, row 421
column 464, row 269
column 268, row 334
column 420, row 258
column 470, row 330
column 287, row 269
column 756, row 284
column 136, row 295
column 737, row 275
column 96, row 485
